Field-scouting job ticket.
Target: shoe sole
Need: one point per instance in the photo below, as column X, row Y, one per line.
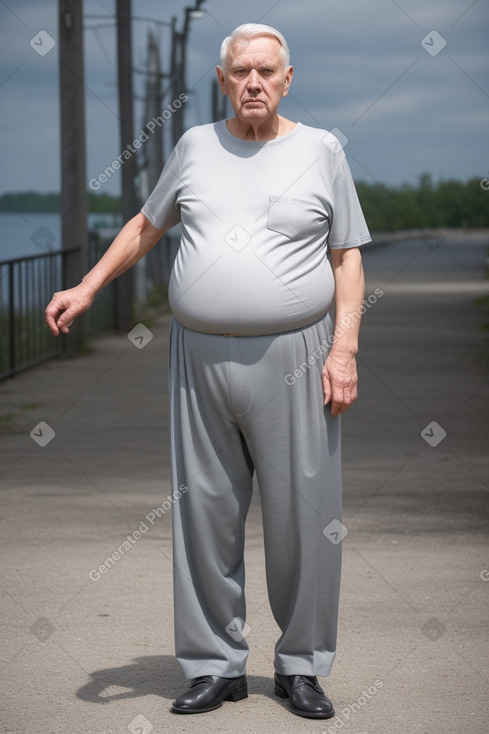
column 282, row 693
column 235, row 696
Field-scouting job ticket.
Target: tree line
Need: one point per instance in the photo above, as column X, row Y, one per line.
column 445, row 204
column 448, row 203
column 33, row 202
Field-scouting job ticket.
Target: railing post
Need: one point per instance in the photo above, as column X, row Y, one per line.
column 11, row 316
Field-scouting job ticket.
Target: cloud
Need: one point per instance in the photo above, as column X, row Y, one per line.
column 351, row 60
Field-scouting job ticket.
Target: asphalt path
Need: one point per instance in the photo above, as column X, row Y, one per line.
column 84, row 468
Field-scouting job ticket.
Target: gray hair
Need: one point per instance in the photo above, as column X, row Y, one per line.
column 249, row 30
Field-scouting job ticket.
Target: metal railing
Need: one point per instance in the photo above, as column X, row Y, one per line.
column 28, row 283
column 26, row 286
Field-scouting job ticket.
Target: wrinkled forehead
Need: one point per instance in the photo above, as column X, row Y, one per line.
column 257, row 49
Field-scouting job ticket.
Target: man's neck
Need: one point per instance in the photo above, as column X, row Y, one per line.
column 261, row 130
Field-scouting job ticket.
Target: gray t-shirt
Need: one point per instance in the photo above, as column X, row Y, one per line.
column 257, row 218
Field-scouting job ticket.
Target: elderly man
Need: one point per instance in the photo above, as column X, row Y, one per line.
column 258, row 374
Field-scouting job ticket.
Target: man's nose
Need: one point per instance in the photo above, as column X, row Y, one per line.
column 253, row 80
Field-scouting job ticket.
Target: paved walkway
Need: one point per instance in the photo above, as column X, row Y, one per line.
column 88, row 649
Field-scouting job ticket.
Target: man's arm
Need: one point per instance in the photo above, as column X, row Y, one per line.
column 339, row 374
column 134, row 240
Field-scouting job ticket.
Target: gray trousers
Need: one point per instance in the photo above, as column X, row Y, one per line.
column 239, row 405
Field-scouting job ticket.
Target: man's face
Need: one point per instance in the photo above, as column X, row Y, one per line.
column 255, row 78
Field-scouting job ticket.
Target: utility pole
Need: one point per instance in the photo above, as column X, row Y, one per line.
column 178, row 66
column 218, row 102
column 124, row 283
column 74, row 205
column 177, row 71
column 148, row 272
column 153, row 150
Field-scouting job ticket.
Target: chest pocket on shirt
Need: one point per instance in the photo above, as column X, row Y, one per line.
column 292, row 217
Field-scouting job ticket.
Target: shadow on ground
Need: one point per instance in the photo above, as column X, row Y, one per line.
column 157, row 675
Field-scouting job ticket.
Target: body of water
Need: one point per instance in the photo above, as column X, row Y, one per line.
column 31, row 234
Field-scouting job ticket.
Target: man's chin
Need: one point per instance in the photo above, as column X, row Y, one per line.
column 254, row 112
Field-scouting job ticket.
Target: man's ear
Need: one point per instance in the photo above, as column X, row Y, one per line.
column 220, row 79
column 288, row 79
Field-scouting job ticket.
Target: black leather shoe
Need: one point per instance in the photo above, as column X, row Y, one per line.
column 207, row 692
column 305, row 695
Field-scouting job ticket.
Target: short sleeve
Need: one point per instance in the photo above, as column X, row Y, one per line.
column 161, row 206
column 348, row 228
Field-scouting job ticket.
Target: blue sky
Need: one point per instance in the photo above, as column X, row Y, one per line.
column 406, row 105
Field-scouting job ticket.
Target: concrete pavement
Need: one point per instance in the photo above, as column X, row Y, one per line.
column 90, row 651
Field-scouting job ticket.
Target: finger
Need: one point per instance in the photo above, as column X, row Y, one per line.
column 65, row 321
column 336, row 408
column 326, row 382
column 341, row 406
column 339, row 399
column 52, row 325
column 347, row 399
column 52, row 313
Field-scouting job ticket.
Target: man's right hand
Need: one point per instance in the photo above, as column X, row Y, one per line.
column 131, row 244
column 65, row 306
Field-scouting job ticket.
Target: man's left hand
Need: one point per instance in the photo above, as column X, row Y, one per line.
column 340, row 379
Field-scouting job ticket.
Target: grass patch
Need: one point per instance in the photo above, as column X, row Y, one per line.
column 8, row 423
